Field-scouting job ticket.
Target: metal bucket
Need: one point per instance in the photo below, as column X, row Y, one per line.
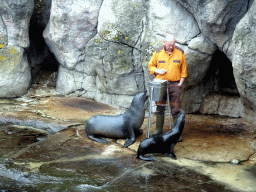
column 157, row 88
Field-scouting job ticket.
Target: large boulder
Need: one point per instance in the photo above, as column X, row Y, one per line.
column 244, row 60
column 104, row 46
column 111, row 71
column 72, row 24
column 16, row 16
column 222, row 105
column 14, row 72
column 14, row 23
column 217, row 19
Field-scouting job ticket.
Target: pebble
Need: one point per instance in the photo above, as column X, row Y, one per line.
column 235, row 161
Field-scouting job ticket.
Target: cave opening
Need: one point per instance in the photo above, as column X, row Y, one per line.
column 220, row 78
column 44, row 65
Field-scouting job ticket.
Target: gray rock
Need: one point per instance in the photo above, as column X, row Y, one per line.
column 169, row 17
column 77, row 83
column 192, row 97
column 222, row 105
column 253, row 145
column 16, row 15
column 203, row 45
column 3, row 33
column 217, row 19
column 235, row 161
column 72, row 24
column 244, row 60
column 14, row 72
column 197, row 65
column 111, row 68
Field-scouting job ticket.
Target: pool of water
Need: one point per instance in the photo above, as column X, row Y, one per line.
column 80, row 166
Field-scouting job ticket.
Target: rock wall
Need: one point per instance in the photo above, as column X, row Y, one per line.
column 15, row 73
column 244, row 60
column 103, row 47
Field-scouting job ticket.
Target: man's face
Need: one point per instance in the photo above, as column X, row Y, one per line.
column 169, row 45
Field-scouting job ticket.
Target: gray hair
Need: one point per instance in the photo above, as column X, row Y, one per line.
column 169, row 38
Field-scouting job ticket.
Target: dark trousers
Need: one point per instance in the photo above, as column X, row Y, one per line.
column 174, row 98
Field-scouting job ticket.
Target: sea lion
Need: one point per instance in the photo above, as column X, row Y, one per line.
column 124, row 126
column 163, row 143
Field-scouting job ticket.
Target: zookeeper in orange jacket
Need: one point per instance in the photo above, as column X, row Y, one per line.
column 168, row 63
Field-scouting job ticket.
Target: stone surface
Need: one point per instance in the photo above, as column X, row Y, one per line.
column 16, row 16
column 244, row 60
column 217, row 19
column 222, row 105
column 72, row 24
column 202, row 44
column 169, row 17
column 14, row 72
column 69, row 154
column 103, row 47
column 42, row 109
column 111, row 72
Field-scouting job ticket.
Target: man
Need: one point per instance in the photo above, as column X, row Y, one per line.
column 168, row 63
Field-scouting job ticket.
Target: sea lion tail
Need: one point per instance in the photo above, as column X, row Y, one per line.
column 146, row 158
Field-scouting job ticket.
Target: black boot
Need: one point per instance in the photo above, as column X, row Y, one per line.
column 159, row 124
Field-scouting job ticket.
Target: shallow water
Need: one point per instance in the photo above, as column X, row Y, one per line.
column 83, row 167
column 149, row 177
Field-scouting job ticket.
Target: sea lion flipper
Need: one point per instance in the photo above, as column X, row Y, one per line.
column 128, row 142
column 138, row 132
column 97, row 139
column 146, row 158
column 172, row 155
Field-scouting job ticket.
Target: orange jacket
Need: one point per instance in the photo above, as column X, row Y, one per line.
column 175, row 64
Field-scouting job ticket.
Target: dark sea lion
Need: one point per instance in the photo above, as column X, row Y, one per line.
column 163, row 143
column 124, row 126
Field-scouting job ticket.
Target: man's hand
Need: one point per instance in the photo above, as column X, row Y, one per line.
column 160, row 71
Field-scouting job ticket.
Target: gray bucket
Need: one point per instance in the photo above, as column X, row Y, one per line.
column 157, row 88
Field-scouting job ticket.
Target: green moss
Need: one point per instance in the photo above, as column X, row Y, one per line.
column 12, row 51
column 105, row 33
column 9, row 59
column 96, row 40
column 1, row 46
column 117, row 37
column 39, row 9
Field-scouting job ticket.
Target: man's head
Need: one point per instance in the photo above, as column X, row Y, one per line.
column 169, row 42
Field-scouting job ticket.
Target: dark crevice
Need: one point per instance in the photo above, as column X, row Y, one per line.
column 219, row 78
column 44, row 65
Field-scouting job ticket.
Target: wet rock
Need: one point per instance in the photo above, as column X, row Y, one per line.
column 235, row 161
column 253, row 145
